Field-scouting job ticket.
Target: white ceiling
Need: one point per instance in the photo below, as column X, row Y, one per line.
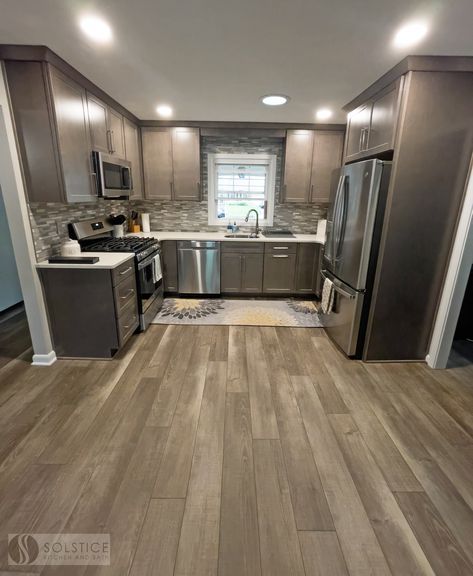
column 213, row 59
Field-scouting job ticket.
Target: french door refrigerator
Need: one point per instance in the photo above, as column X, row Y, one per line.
column 354, row 224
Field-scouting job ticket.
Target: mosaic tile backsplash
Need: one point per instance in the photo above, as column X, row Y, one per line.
column 49, row 220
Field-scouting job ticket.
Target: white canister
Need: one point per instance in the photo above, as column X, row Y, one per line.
column 145, row 223
column 118, row 230
column 70, row 248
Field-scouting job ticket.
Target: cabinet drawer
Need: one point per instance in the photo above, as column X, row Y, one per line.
column 243, row 247
column 123, row 271
column 127, row 322
column 125, row 292
column 280, row 248
column 279, row 272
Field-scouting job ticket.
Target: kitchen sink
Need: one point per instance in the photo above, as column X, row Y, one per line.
column 240, row 236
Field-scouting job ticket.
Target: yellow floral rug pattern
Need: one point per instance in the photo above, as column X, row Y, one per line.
column 235, row 312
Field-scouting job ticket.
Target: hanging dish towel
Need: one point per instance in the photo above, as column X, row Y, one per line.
column 157, row 272
column 328, row 296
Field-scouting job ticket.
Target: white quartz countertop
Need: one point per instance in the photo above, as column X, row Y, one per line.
column 221, row 237
column 107, row 260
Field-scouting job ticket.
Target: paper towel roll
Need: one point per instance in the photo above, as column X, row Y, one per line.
column 145, row 222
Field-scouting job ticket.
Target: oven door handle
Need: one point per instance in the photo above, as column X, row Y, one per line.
column 148, row 260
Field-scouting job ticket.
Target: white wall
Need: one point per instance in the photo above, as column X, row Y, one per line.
column 10, row 290
column 14, row 196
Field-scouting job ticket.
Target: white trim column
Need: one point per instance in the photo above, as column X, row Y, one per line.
column 459, row 269
column 14, row 196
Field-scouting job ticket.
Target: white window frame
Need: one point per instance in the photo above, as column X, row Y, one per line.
column 266, row 159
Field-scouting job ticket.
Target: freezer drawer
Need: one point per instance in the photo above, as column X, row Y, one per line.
column 198, row 267
column 343, row 323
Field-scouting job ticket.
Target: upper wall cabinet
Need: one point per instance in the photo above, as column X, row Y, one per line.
column 311, row 158
column 171, row 163
column 371, row 127
column 133, row 155
column 107, row 131
column 51, row 122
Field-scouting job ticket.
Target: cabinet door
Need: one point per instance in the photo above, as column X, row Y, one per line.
column 307, row 259
column 357, row 131
column 384, row 115
column 99, row 135
column 186, row 163
column 298, row 164
column 133, row 155
column 279, row 272
column 327, row 157
column 170, row 265
column 252, row 273
column 70, row 107
column 157, row 163
column 117, row 137
column 230, row 273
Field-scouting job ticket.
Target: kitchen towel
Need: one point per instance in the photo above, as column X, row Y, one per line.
column 328, row 296
column 156, row 267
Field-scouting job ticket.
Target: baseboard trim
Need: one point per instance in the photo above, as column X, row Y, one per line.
column 44, row 359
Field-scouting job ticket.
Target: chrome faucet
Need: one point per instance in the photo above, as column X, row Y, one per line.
column 255, row 233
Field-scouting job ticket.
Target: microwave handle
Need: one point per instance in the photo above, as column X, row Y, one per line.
column 126, row 178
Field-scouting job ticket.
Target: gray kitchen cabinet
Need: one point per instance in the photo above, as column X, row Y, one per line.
column 92, row 312
column 157, row 163
column 169, row 252
column 133, row 155
column 311, row 158
column 171, row 163
column 241, row 268
column 279, row 268
column 186, row 163
column 298, row 165
column 371, row 128
column 117, row 136
column 73, row 137
column 307, row 268
column 106, row 127
column 327, row 157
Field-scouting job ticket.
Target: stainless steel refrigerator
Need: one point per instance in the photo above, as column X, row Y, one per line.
column 354, row 224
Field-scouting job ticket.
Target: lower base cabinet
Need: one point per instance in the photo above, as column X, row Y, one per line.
column 307, row 280
column 169, row 251
column 92, row 313
column 241, row 268
column 279, row 268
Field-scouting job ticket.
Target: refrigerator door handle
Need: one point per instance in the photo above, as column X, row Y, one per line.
column 336, row 287
column 334, row 220
column 337, row 219
column 344, row 214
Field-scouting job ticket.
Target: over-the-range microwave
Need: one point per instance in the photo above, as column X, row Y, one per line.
column 113, row 175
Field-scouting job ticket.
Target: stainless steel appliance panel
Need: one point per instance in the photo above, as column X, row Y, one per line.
column 352, row 218
column 343, row 323
column 198, row 267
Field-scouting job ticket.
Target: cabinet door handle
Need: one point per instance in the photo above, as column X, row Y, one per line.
column 130, row 291
column 112, row 141
column 281, row 256
column 171, row 187
column 109, row 140
column 311, row 192
column 280, row 247
column 199, row 191
column 125, row 271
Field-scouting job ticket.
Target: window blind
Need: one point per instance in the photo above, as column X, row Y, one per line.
column 241, row 182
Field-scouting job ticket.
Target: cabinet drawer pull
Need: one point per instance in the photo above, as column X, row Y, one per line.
column 281, row 256
column 126, row 326
column 130, row 291
column 125, row 271
column 280, row 247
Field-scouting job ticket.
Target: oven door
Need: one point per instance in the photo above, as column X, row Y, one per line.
column 150, row 281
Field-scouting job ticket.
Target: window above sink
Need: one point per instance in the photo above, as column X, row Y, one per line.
column 239, row 183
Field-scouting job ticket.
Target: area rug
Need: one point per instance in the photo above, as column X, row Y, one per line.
column 234, row 312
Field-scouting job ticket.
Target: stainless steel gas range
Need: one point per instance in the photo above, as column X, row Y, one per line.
column 96, row 236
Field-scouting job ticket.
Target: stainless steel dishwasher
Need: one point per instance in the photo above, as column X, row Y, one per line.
column 198, row 267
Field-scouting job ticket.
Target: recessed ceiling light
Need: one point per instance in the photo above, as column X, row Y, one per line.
column 274, row 99
column 410, row 34
column 96, row 29
column 164, row 110
column 323, row 114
